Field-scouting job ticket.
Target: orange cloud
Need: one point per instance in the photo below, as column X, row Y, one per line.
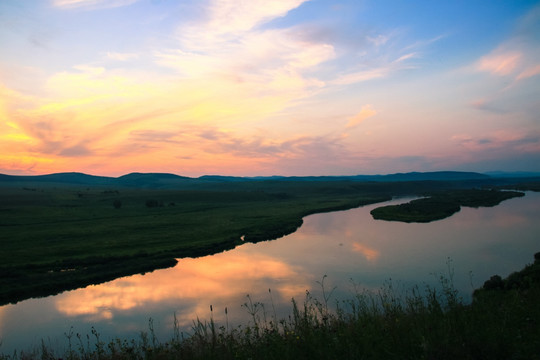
column 365, row 112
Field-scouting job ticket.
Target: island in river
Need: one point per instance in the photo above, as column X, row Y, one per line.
column 442, row 205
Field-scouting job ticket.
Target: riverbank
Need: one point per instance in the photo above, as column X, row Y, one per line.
column 434, row 323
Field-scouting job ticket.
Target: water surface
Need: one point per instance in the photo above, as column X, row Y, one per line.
column 347, row 246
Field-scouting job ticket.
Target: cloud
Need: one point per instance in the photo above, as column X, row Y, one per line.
column 121, row 56
column 365, row 112
column 406, row 57
column 75, row 151
column 371, row 73
column 91, row 4
column 272, row 59
column 232, row 16
column 154, row 136
column 306, row 148
column 516, row 57
column 500, row 62
column 511, row 67
column 506, row 140
column 528, row 72
column 247, row 72
column 488, row 105
column 364, row 75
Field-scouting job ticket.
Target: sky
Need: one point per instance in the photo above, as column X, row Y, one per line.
column 269, row 87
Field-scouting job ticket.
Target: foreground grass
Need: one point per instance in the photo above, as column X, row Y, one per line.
column 503, row 322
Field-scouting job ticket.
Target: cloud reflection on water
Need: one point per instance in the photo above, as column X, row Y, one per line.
column 218, row 277
column 369, row 253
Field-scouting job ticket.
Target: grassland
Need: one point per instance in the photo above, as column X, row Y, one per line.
column 441, row 205
column 60, row 236
column 502, row 322
column 55, row 239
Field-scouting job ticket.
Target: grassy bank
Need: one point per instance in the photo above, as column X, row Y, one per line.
column 502, row 322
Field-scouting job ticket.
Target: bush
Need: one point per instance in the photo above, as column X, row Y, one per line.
column 117, row 204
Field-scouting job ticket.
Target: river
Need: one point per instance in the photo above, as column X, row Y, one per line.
column 349, row 247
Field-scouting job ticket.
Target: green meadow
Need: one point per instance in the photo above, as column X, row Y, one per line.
column 60, row 236
column 57, row 238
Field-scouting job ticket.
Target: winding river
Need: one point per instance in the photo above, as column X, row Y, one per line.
column 351, row 248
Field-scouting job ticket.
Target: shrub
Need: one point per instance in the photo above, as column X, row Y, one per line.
column 117, row 204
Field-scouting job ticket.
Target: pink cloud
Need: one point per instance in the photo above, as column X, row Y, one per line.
column 529, row 72
column 498, row 63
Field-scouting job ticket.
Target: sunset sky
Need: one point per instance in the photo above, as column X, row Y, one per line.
column 284, row 87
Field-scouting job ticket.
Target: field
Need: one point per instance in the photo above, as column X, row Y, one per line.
column 60, row 236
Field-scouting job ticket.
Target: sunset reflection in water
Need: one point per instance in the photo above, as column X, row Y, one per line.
column 195, row 283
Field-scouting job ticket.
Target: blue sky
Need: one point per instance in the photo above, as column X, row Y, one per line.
column 286, row 87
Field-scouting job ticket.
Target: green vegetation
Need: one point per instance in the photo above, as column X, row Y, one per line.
column 54, row 239
column 500, row 323
column 441, row 205
column 65, row 231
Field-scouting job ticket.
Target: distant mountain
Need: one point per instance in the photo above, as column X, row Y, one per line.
column 412, row 176
column 513, row 174
column 62, row 178
column 165, row 180
column 150, row 179
column 435, row 176
column 220, row 178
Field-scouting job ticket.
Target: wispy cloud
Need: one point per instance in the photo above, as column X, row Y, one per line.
column 365, row 112
column 510, row 68
column 231, row 16
column 500, row 62
column 91, row 4
column 516, row 57
column 364, row 75
column 367, row 71
column 121, row 56
column 528, row 72
column 488, row 105
column 509, row 140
